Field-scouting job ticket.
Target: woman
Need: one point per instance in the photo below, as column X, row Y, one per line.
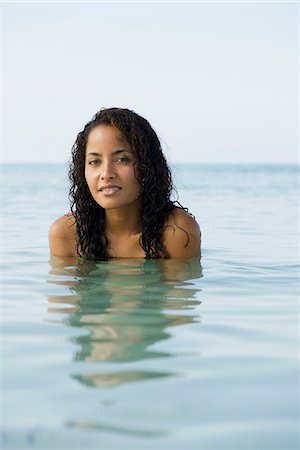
column 120, row 196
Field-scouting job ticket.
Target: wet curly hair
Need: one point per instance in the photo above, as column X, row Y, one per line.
column 152, row 173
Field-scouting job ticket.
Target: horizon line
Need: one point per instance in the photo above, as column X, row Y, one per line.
column 273, row 163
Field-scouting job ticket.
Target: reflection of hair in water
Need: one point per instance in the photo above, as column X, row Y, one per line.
column 124, row 306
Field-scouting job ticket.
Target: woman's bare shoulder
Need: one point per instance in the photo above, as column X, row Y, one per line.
column 182, row 235
column 63, row 236
column 64, row 225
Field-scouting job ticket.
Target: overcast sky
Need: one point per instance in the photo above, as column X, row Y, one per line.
column 217, row 80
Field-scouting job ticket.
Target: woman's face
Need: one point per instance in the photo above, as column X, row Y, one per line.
column 109, row 169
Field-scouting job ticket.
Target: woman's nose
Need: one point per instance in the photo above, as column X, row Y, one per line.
column 107, row 171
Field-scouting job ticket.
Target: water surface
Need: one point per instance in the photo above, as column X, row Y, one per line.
column 154, row 354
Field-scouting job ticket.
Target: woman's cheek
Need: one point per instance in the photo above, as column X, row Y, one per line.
column 91, row 179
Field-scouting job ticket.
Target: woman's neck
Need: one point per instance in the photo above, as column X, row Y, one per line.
column 122, row 223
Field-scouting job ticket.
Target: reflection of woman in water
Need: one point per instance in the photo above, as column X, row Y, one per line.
column 127, row 307
column 121, row 196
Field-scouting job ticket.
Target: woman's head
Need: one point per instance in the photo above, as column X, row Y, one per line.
column 151, row 171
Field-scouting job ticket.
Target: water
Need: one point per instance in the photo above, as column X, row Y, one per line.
column 133, row 354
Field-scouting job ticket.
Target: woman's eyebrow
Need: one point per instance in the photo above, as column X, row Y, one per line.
column 114, row 153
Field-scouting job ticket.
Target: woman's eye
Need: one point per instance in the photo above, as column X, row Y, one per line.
column 93, row 162
column 123, row 159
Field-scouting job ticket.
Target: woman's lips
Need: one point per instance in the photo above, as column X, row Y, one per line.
column 109, row 190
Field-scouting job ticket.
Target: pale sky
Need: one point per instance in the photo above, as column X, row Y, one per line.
column 217, row 80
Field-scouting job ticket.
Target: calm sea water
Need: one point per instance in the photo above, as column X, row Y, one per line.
column 134, row 354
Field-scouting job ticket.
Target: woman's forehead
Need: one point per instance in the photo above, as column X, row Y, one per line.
column 106, row 138
column 105, row 134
